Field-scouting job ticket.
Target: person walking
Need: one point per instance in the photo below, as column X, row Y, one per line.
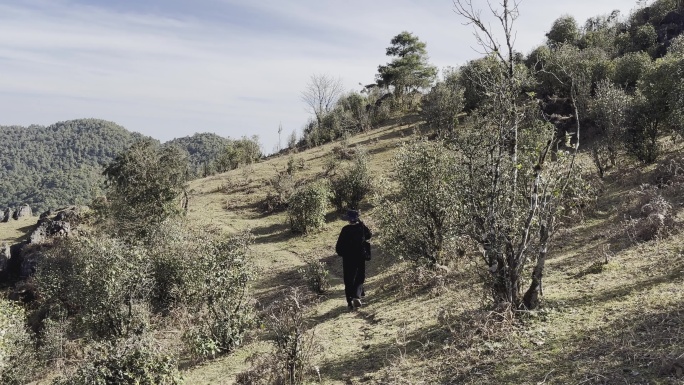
column 350, row 246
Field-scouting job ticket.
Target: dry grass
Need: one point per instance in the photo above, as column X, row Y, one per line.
column 15, row 230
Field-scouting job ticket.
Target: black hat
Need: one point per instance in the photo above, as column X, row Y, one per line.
column 352, row 215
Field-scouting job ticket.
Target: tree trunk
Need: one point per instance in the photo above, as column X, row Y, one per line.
column 531, row 298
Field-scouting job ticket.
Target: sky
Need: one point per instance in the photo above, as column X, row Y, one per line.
column 171, row 68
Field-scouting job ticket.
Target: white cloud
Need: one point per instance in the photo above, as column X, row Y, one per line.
column 173, row 74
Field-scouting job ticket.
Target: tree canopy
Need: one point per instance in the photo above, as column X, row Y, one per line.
column 409, row 68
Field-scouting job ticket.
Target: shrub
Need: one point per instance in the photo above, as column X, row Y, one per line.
column 293, row 346
column 641, row 134
column 441, row 106
column 146, row 184
column 651, row 217
column 419, row 219
column 353, row 184
column 211, row 286
column 609, row 110
column 283, row 185
column 101, row 282
column 628, row 68
column 18, row 362
column 307, row 207
column 316, row 273
column 131, row 362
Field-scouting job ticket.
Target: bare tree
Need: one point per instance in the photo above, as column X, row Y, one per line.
column 321, row 94
column 513, row 193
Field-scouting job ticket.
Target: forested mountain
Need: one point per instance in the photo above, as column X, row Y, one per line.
column 203, row 149
column 59, row 164
column 62, row 164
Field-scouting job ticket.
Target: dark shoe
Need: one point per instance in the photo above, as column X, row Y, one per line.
column 350, row 307
column 357, row 303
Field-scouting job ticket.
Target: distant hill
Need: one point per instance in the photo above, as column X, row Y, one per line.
column 61, row 164
column 203, row 149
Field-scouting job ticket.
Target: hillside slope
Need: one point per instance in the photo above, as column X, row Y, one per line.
column 612, row 307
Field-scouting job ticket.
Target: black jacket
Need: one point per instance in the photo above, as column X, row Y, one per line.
column 350, row 241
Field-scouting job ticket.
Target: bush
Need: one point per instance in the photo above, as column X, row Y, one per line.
column 609, row 110
column 131, row 362
column 651, row 217
column 641, row 133
column 294, row 346
column 211, row 286
column 101, row 282
column 18, row 362
column 307, row 207
column 146, row 184
column 353, row 184
column 283, row 185
column 628, row 68
column 441, row 106
column 419, row 219
column 316, row 273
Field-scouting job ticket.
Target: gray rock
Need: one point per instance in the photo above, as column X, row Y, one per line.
column 23, row 211
column 49, row 228
column 7, row 215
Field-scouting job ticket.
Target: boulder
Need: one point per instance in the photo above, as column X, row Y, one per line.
column 7, row 215
column 23, row 211
column 49, row 228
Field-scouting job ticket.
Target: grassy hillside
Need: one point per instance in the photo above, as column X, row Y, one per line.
column 612, row 308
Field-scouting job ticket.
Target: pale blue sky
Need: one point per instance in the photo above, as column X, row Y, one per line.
column 170, row 68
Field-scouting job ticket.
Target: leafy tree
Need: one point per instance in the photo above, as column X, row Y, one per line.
column 629, row 68
column 563, row 31
column 421, row 217
column 146, row 185
column 658, row 106
column 510, row 193
column 409, row 70
column 472, row 78
column 600, row 32
column 292, row 140
column 321, row 94
column 677, row 46
column 645, row 37
column 609, row 110
column 441, row 106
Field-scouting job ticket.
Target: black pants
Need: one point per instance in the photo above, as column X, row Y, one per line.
column 354, row 275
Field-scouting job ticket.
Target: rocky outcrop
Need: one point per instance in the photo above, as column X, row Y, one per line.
column 22, row 212
column 48, row 229
column 7, row 215
column 21, row 259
